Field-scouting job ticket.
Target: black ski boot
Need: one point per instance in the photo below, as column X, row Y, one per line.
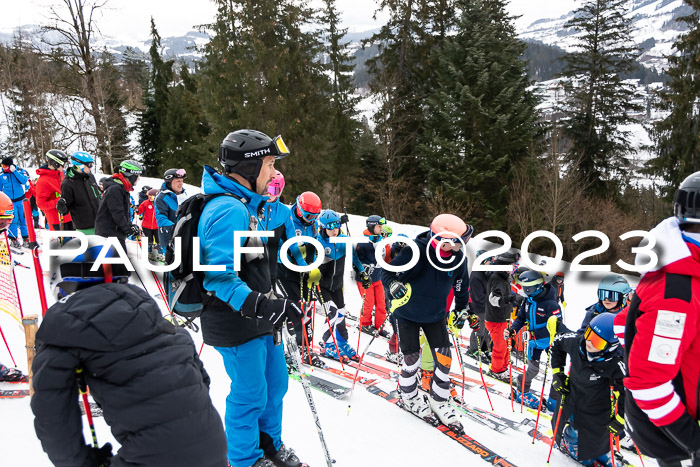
column 282, row 457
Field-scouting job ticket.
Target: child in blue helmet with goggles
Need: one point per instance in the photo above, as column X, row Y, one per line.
column 535, row 311
column 613, row 291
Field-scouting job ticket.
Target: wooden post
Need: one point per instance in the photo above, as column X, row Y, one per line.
column 30, row 327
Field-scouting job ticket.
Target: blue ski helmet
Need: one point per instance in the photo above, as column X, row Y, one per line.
column 613, row 287
column 532, row 282
column 329, row 219
column 82, row 159
column 600, row 332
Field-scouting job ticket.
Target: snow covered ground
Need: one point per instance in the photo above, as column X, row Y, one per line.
column 373, row 432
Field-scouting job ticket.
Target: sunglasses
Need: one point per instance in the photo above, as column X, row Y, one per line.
column 596, row 341
column 609, row 295
column 333, row 225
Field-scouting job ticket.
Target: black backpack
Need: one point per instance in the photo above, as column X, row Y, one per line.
column 184, row 287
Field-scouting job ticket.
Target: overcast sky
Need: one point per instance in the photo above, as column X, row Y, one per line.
column 129, row 20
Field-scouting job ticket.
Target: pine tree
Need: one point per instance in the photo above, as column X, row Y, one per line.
column 262, row 71
column 598, row 102
column 185, row 129
column 402, row 78
column 156, row 96
column 676, row 136
column 480, row 119
column 343, row 129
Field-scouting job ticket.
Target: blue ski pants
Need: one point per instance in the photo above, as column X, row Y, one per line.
column 259, row 381
column 18, row 223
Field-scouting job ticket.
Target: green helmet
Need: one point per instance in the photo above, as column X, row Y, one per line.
column 131, row 170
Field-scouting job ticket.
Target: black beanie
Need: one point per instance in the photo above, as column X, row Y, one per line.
column 7, row 161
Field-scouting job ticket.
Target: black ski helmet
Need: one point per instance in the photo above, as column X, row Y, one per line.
column 171, row 174
column 686, row 203
column 503, row 259
column 56, row 157
column 242, row 152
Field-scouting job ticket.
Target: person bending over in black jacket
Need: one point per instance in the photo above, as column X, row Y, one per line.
column 143, row 372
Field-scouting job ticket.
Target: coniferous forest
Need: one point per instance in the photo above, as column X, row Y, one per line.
column 456, row 127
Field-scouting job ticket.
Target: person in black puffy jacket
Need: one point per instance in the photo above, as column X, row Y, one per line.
column 141, row 370
column 80, row 196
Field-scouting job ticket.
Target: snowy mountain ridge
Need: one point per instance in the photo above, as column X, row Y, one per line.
column 654, row 29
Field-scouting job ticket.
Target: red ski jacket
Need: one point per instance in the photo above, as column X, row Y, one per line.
column 48, row 191
column 148, row 214
column 663, row 331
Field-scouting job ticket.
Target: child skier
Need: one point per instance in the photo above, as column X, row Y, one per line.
column 535, row 311
column 424, row 309
column 612, row 298
column 374, row 294
column 147, row 214
column 111, row 336
column 588, row 416
column 331, row 286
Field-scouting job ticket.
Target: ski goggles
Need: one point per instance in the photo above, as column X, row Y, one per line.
column 596, row 341
column 456, row 241
column 332, row 225
column 274, row 190
column 282, row 149
column 308, row 216
column 609, row 295
column 5, row 223
column 86, row 164
column 531, row 290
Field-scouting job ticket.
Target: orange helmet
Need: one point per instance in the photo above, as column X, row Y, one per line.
column 7, row 211
column 449, row 226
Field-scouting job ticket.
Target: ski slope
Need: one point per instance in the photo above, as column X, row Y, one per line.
column 371, row 432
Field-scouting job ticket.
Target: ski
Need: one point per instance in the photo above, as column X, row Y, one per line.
column 13, row 393
column 465, row 440
column 327, row 387
column 16, row 251
column 95, row 409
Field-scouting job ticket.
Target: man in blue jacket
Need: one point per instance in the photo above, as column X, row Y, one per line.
column 13, row 182
column 244, row 319
column 171, row 195
column 441, row 266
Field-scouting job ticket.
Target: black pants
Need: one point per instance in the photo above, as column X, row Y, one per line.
column 151, row 236
column 439, row 343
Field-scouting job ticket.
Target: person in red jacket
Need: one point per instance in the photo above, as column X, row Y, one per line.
column 147, row 214
column 662, row 339
column 48, row 189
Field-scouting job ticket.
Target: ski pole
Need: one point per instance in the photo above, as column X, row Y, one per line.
column 612, row 450
column 35, row 257
column 362, row 308
column 8, row 347
column 544, row 382
column 82, row 388
column 510, row 371
column 478, row 346
column 638, row 452
column 526, row 344
column 304, row 338
column 556, row 427
column 459, row 360
column 319, row 297
column 294, row 351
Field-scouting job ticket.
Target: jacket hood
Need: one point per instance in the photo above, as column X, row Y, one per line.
column 48, row 172
column 109, row 182
column 213, row 182
column 104, row 317
column 676, row 256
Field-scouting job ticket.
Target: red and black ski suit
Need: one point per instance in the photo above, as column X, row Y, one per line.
column 662, row 337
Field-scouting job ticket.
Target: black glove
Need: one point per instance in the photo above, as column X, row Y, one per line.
column 365, row 280
column 101, row 457
column 134, row 230
column 616, row 426
column 560, row 383
column 518, row 300
column 460, row 317
column 256, row 305
column 61, row 206
column 397, row 290
column 344, row 219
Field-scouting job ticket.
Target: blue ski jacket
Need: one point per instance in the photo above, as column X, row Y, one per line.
column 593, row 311
column 14, row 184
column 166, row 207
column 277, row 217
column 333, row 267
column 307, row 252
column 536, row 312
column 429, row 285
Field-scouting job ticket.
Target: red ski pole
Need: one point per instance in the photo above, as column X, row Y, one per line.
column 510, row 374
column 539, row 407
column 612, row 450
column 478, row 346
column 35, row 255
column 526, row 343
column 8, row 347
column 556, row 427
